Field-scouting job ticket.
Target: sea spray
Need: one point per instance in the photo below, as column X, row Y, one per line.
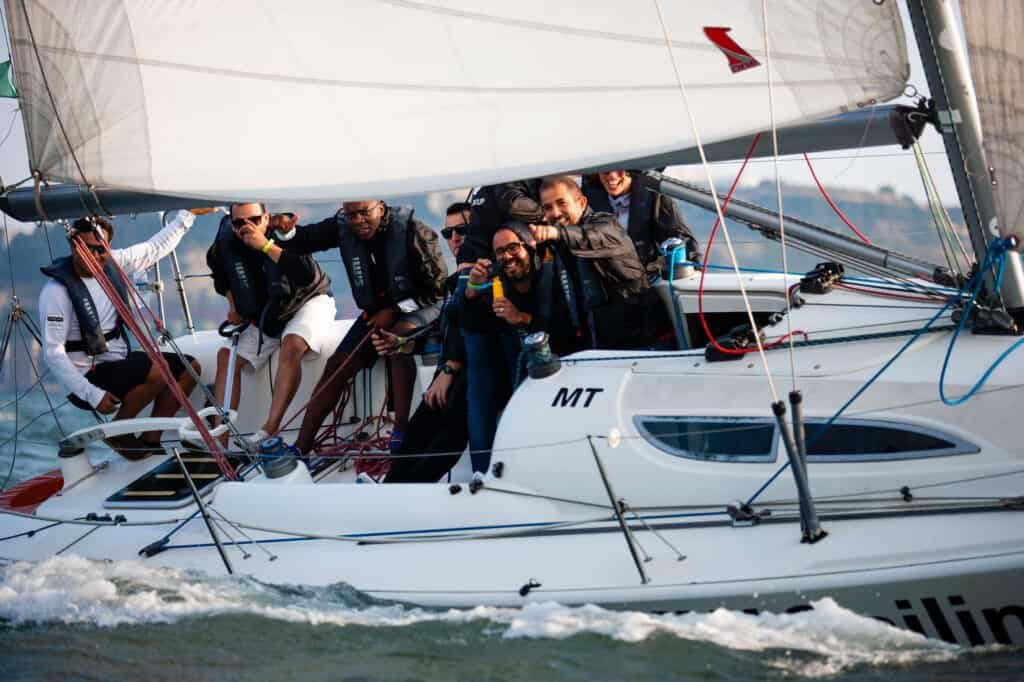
column 79, row 592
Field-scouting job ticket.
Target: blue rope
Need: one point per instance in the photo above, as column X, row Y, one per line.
column 1000, row 247
column 997, row 250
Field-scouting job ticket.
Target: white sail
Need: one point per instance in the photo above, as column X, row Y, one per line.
column 993, row 29
column 325, row 100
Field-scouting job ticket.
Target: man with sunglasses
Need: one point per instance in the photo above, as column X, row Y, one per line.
column 84, row 339
column 397, row 276
column 286, row 298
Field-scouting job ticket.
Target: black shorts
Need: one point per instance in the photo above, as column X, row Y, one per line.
column 121, row 376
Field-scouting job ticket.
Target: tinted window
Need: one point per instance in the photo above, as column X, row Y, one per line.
column 860, row 440
column 711, row 438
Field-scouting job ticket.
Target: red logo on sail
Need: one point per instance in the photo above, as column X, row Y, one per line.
column 739, row 59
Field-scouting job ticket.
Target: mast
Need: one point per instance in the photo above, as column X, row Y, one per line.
column 945, row 64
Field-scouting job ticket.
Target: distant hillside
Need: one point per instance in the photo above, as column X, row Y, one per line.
column 889, row 220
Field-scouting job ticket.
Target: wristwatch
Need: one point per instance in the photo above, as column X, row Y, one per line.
column 449, row 370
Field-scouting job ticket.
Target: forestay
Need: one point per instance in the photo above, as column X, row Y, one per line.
column 993, row 29
column 325, row 100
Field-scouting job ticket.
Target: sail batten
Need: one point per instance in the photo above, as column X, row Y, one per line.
column 323, row 100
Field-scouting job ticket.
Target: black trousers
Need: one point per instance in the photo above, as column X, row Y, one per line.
column 434, row 439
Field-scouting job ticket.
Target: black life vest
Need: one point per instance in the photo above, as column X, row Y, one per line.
column 247, row 280
column 260, row 290
column 94, row 339
column 355, row 254
column 644, row 207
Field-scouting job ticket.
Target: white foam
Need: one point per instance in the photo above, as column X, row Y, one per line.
column 72, row 590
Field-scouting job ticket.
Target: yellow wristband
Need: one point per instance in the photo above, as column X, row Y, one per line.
column 266, row 247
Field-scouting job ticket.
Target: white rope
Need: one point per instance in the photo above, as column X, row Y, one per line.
column 718, row 205
column 778, row 187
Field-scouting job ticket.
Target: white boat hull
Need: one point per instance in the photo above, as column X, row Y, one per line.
column 930, row 541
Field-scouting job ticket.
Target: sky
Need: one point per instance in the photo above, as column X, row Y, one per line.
column 865, row 169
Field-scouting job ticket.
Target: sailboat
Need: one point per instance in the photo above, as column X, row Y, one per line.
column 665, row 481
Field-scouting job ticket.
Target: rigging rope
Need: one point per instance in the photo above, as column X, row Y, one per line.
column 778, row 188
column 842, row 216
column 996, row 255
column 714, row 195
column 155, row 356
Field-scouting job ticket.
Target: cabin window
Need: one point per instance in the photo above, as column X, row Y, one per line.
column 715, row 439
column 850, row 440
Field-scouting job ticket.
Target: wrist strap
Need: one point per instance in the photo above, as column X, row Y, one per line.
column 478, row 287
column 266, row 247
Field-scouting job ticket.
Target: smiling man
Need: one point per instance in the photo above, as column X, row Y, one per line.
column 397, row 275
column 620, row 308
column 84, row 339
column 648, row 218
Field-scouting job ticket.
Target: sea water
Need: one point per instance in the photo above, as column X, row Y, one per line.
column 70, row 618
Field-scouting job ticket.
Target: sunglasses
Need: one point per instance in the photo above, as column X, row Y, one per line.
column 96, row 249
column 510, row 250
column 239, row 223
column 457, row 229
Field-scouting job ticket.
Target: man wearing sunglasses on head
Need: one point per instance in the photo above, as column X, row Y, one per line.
column 84, row 339
column 397, row 275
column 285, row 297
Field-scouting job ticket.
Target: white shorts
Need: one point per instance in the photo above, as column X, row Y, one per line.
column 312, row 322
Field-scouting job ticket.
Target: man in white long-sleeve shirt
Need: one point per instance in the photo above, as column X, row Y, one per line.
column 84, row 340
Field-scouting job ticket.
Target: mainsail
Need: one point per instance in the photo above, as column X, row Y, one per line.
column 324, row 100
column 993, row 30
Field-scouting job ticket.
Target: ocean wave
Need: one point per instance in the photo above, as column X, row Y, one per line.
column 75, row 591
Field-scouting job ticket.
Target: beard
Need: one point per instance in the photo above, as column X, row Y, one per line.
column 519, row 273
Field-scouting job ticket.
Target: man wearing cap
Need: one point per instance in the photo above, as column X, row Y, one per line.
column 84, row 341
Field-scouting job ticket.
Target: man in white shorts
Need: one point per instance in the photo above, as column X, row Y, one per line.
column 285, row 297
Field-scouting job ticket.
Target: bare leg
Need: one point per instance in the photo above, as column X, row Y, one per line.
column 403, row 378
column 326, row 395
column 286, row 382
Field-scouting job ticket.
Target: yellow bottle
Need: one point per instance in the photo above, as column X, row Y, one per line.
column 499, row 289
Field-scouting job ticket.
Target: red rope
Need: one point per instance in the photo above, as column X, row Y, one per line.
column 831, row 203
column 707, row 258
column 155, row 355
column 352, row 354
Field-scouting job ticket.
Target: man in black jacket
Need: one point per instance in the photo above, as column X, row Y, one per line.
column 286, row 298
column 649, row 218
column 536, row 294
column 397, row 275
column 491, row 207
column 620, row 308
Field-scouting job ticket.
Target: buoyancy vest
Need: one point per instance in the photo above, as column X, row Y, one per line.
column 260, row 290
column 94, row 338
column 355, row 254
column 247, row 280
column 643, row 214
